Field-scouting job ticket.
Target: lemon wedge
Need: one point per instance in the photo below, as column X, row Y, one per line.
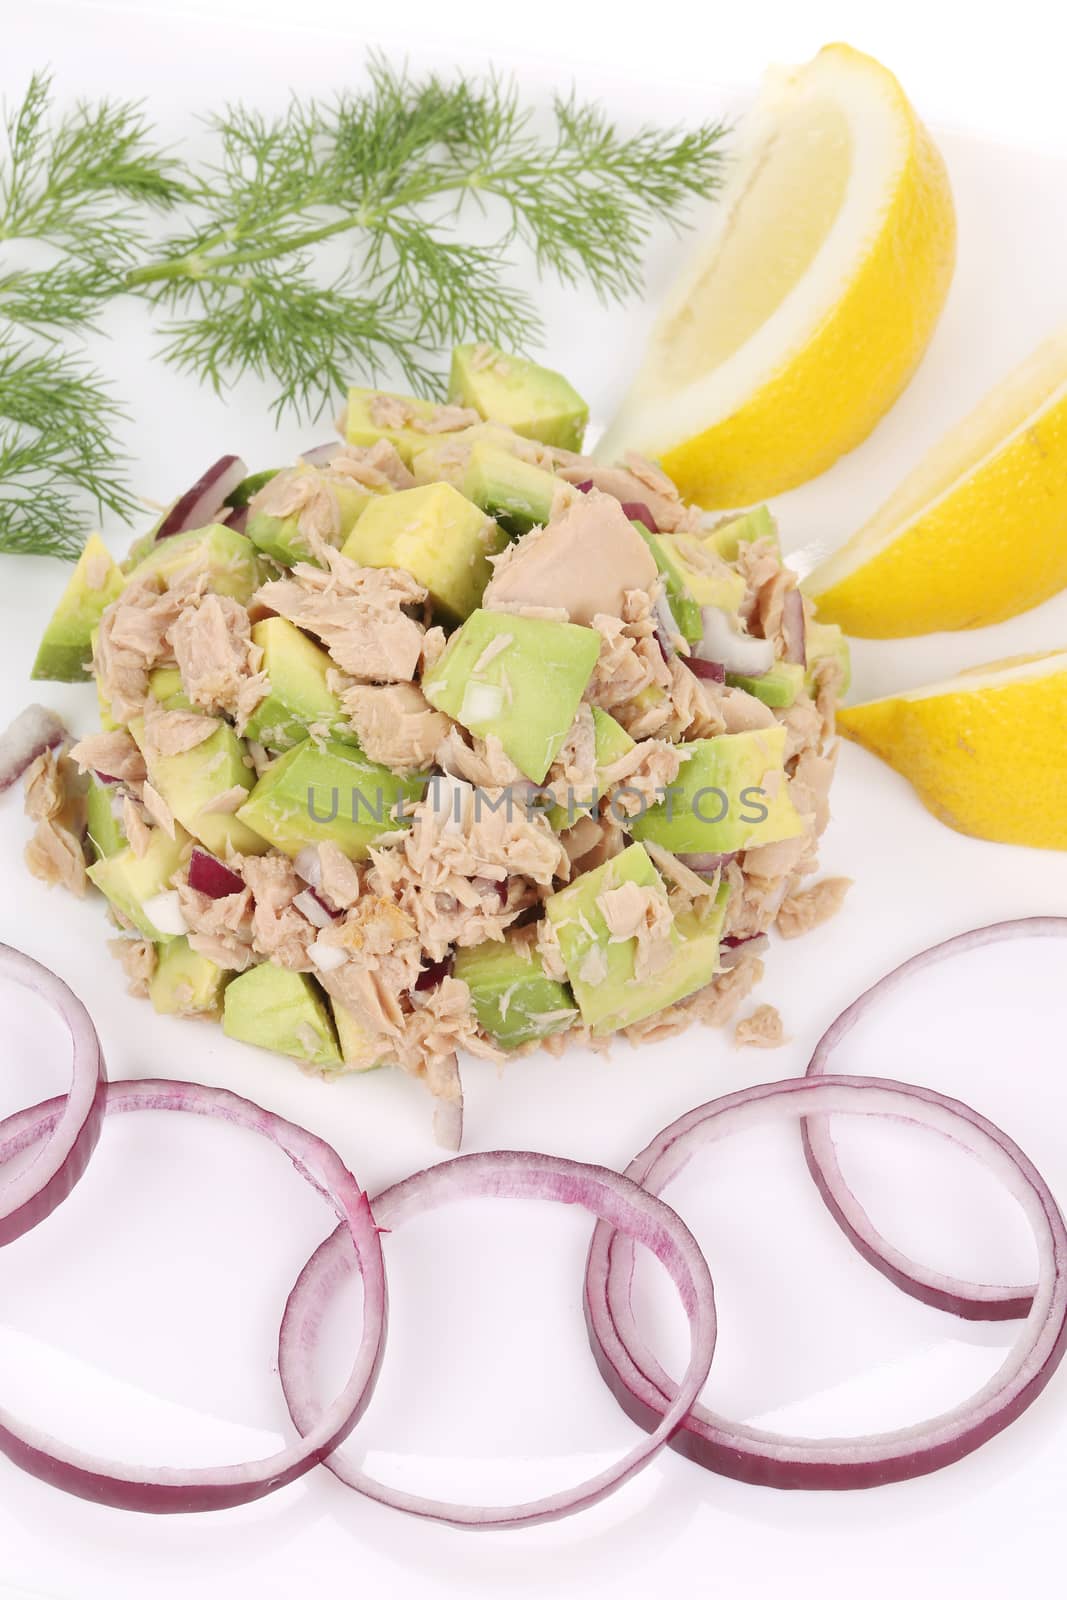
column 978, row 532
column 985, row 750
column 804, row 314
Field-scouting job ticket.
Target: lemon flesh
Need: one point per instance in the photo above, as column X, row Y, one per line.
column 808, row 307
column 985, row 751
column 978, row 532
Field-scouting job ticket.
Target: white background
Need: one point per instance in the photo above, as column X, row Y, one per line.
column 141, row 1318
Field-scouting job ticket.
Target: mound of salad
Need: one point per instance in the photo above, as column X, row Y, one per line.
column 448, row 737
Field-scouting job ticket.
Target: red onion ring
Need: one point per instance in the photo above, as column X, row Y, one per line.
column 136, row 1488
column 200, row 505
column 509, row 1175
column 27, row 1199
column 753, row 1455
column 977, row 1302
column 34, row 730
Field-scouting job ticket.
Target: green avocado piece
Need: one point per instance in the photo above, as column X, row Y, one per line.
column 128, row 880
column 299, row 698
column 728, row 537
column 777, row 688
column 518, row 494
column 533, row 401
column 103, row 827
column 283, row 1011
column 361, row 428
column 513, row 998
column 329, row 791
column 437, row 535
column 251, row 486
column 185, row 983
column 361, row 1051
column 228, row 557
column 731, row 794
column 519, row 678
column 684, row 606
column 189, row 782
column 65, row 650
column 107, row 721
column 165, row 685
column 443, row 457
column 281, row 538
column 710, row 584
column 602, row 968
column 823, row 640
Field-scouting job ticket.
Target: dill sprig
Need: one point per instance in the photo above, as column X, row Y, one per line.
column 392, row 170
column 80, row 187
column 326, row 244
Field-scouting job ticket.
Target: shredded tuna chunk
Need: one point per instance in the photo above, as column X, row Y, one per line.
column 219, row 664
column 377, row 467
column 483, row 762
column 358, row 614
column 762, row 1028
column 56, row 802
column 803, row 727
column 638, row 779
column 172, row 733
column 280, row 933
column 809, row 787
column 442, row 1023
column 135, row 827
column 642, row 913
column 807, row 908
column 395, row 724
column 585, row 560
column 829, row 683
column 624, row 484
column 137, row 958
column 114, row 755
column 132, row 639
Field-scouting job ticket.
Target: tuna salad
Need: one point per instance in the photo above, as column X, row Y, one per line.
column 446, row 738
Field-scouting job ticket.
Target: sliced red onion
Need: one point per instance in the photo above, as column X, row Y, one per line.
column 105, row 777
column 34, row 1194
column 317, row 912
column 704, row 861
column 33, row 731
column 307, row 865
column 201, row 504
column 637, row 511
column 585, row 486
column 138, row 1488
column 732, row 949
column 733, row 650
column 795, row 628
column 208, row 875
column 508, row 1175
column 667, row 629
column 753, row 1455
column 237, row 519
column 710, row 671
column 434, row 973
column 320, row 455
column 978, row 1302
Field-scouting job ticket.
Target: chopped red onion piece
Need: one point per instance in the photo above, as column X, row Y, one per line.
column 33, row 731
column 795, row 628
column 734, row 949
column 667, row 629
column 754, row 1455
column 316, row 910
column 738, row 652
column 208, row 875
column 637, row 511
column 75, row 1127
column 308, row 866
column 320, row 455
column 138, row 1488
column 434, row 974
column 585, row 486
column 704, row 861
column 507, row 1175
column 201, row 504
column 105, row 777
column 710, row 671
column 978, row 1302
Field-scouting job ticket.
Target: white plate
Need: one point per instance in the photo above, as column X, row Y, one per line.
column 142, row 1317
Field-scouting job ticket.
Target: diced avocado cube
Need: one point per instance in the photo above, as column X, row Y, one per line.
column 283, row 1011
column 825, row 640
column 228, row 557
column 519, row 678
column 281, row 538
column 704, row 574
column 534, row 401
column 107, row 721
column 129, row 881
column 360, row 426
column 730, row 794
column 514, row 999
column 165, row 685
column 330, row 791
column 437, row 535
column 191, row 781
column 518, row 494
column 299, row 698
column 684, row 606
column 602, row 968
column 361, row 1051
column 777, row 688
column 443, row 457
column 728, row 537
column 104, row 828
column 610, row 742
column 65, row 650
column 185, row 983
